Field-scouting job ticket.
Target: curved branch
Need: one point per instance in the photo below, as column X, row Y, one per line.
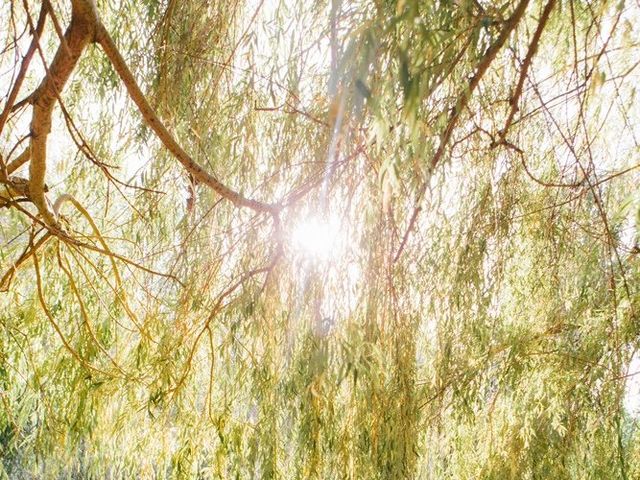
column 153, row 121
column 83, row 310
column 465, row 96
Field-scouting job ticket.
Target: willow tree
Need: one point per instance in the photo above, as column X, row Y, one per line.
column 354, row 239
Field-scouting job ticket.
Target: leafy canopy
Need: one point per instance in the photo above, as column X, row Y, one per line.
column 345, row 239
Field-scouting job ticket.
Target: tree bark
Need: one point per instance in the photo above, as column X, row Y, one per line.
column 80, row 33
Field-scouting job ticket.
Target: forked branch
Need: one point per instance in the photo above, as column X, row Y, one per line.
column 464, row 98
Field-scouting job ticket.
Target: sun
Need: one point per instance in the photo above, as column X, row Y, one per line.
column 318, row 238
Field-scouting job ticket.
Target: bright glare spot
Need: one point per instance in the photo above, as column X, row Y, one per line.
column 318, row 238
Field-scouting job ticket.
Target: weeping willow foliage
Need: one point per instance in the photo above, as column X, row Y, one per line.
column 474, row 317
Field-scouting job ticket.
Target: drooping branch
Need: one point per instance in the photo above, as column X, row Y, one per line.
column 79, row 245
column 83, row 309
column 65, row 341
column 30, row 250
column 119, row 291
column 153, row 121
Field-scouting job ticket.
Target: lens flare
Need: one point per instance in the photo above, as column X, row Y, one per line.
column 318, row 238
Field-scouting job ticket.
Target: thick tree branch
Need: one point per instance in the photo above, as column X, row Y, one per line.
column 80, row 33
column 20, row 160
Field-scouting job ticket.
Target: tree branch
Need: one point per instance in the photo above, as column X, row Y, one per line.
column 533, row 48
column 19, row 161
column 37, row 32
column 151, row 119
column 79, row 34
column 462, row 103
